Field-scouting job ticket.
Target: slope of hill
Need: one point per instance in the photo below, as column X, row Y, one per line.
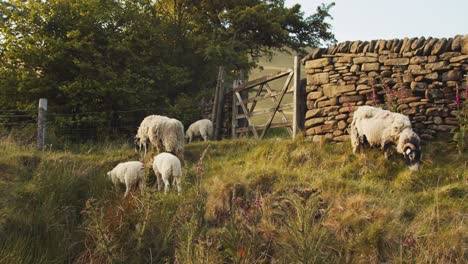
column 247, row 201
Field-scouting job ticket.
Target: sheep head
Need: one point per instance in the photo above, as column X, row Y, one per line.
column 137, row 143
column 109, row 175
column 412, row 151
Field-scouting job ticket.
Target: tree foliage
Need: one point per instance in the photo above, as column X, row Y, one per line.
column 105, row 56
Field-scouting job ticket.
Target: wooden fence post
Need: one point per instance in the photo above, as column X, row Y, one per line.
column 298, row 98
column 238, row 109
column 235, row 84
column 220, row 103
column 215, row 104
column 41, row 123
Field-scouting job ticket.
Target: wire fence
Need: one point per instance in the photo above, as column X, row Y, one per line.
column 76, row 127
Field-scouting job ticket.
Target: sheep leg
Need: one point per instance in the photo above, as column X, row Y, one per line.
column 386, row 150
column 127, row 190
column 355, row 142
column 177, row 182
column 160, row 146
column 190, row 139
column 166, row 183
column 158, row 181
column 117, row 187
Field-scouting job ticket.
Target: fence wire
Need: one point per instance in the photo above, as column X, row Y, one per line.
column 80, row 126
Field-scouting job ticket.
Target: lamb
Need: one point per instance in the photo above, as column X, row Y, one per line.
column 166, row 165
column 168, row 136
column 142, row 136
column 203, row 128
column 130, row 173
column 383, row 128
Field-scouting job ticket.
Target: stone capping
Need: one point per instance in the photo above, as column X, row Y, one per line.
column 417, row 46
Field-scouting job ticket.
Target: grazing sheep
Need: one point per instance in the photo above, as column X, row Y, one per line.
column 383, row 128
column 168, row 136
column 142, row 136
column 203, row 128
column 129, row 173
column 166, row 165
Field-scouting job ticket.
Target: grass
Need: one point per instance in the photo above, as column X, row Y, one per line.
column 266, row 201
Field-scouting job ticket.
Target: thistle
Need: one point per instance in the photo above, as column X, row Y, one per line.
column 374, row 96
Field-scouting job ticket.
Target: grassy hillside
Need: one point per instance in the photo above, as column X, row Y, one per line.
column 276, row 201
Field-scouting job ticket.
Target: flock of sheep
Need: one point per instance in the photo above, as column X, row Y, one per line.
column 371, row 126
column 167, row 135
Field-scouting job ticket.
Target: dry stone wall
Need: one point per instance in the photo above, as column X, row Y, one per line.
column 417, row 77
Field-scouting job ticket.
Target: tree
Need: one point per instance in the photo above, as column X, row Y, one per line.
column 102, row 57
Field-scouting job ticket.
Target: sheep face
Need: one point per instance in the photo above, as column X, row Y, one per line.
column 109, row 175
column 136, row 142
column 412, row 154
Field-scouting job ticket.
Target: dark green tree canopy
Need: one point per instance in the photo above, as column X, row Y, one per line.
column 110, row 55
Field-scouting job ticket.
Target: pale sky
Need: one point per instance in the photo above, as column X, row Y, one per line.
column 389, row 19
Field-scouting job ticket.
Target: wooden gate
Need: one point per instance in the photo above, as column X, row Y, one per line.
column 243, row 95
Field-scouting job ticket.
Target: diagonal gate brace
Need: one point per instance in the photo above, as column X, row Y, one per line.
column 246, row 114
column 283, row 92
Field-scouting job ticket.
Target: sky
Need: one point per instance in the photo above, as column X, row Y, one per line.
column 389, row 19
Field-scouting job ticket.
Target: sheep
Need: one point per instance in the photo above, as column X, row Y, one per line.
column 130, row 173
column 166, row 165
column 383, row 128
column 203, row 128
column 142, row 136
column 168, row 136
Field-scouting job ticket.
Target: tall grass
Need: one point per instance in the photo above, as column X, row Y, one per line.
column 43, row 194
column 275, row 200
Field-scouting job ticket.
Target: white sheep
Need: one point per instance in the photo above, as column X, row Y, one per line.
column 142, row 136
column 130, row 173
column 168, row 136
column 166, row 165
column 203, row 128
column 383, row 128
